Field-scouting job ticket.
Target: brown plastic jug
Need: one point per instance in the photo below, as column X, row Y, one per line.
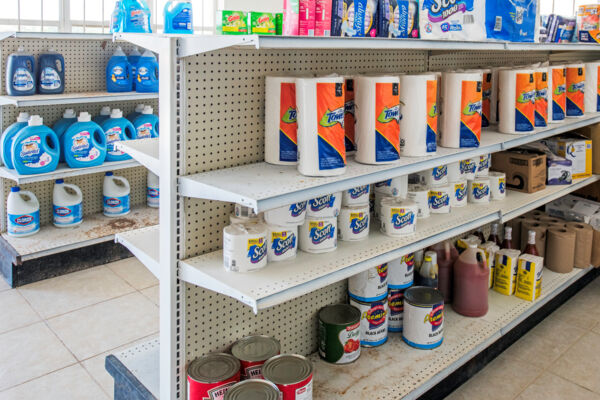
column 446, row 256
column 471, row 282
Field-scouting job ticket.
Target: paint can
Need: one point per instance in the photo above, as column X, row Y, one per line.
column 293, row 375
column 210, row 377
column 373, row 321
column 253, row 352
column 423, row 317
column 401, row 272
column 339, row 333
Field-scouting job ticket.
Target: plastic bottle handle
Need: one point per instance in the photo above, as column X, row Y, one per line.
column 76, row 189
column 483, row 262
column 122, row 180
column 56, row 150
column 32, row 198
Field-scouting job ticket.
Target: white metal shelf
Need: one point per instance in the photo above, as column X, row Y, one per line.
column 73, row 98
column 264, row 186
column 144, row 151
column 55, row 35
column 283, row 281
column 144, row 244
column 143, row 362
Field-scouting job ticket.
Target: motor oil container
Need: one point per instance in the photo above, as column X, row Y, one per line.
column 116, row 129
column 445, row 263
column 23, row 213
column 138, row 111
column 178, row 17
column 146, row 125
column 153, row 191
column 134, row 58
column 147, row 74
column 471, row 283
column 116, row 195
column 51, row 73
column 35, row 149
column 7, row 137
column 20, row 74
column 137, row 16
column 61, row 126
column 84, row 143
column 118, row 73
column 103, row 116
column 67, row 207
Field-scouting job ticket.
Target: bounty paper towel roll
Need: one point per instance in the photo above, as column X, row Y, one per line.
column 293, row 214
column 592, row 93
column 575, row 90
column 318, row 235
column 458, row 196
column 517, row 101
column 557, row 101
column 583, row 244
column 541, row 96
column 281, row 127
column 483, row 166
column 439, row 199
column 356, row 196
column 497, row 185
column 327, row 206
column 420, row 195
column 560, row 250
column 353, row 223
column 244, row 247
column 321, row 134
column 399, row 217
column 282, row 242
column 461, row 122
column 377, row 133
column 486, row 98
column 437, row 176
column 479, row 191
column 419, row 123
column 349, row 115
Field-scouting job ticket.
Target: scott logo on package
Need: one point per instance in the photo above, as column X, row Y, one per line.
column 320, row 234
column 330, row 126
column 439, row 172
column 357, row 192
column 460, row 192
column 297, row 209
column 257, row 250
column 435, row 317
column 438, row 200
column 322, row 203
column 467, row 167
column 375, row 315
column 402, row 218
column 382, row 271
column 358, row 222
column 480, row 190
column 282, row 242
column 502, row 185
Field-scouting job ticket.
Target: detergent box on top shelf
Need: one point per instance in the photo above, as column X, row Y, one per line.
column 232, row 22
column 588, row 23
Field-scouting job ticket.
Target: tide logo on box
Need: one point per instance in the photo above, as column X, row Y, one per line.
column 470, row 118
column 288, row 123
column 330, row 126
column 525, row 103
column 541, row 98
column 257, row 250
column 387, row 127
column 559, row 95
column 575, row 91
column 486, row 99
column 349, row 116
column 432, row 117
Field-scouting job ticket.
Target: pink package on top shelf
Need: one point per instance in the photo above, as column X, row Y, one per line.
column 291, row 17
column 323, row 18
column 307, row 21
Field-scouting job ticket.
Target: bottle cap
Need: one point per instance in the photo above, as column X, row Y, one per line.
column 84, row 117
column 135, row 52
column 149, row 54
column 59, row 181
column 147, row 110
column 35, row 120
column 472, row 245
column 69, row 113
column 139, row 108
column 105, row 110
column 428, row 258
column 116, row 113
column 15, row 189
column 109, row 173
column 23, row 117
column 119, row 52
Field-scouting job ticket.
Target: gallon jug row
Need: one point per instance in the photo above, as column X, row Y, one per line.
column 25, row 77
column 136, row 72
column 30, row 147
column 135, row 16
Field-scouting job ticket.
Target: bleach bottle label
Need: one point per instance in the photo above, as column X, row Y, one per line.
column 153, row 197
column 116, row 205
column 31, row 153
column 22, row 80
column 67, row 215
column 82, row 148
column 23, row 224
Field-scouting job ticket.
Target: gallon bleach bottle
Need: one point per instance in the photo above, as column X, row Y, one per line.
column 134, row 58
column 7, row 137
column 103, row 116
column 138, row 111
column 84, row 143
column 153, row 191
column 51, row 73
column 67, row 210
column 117, row 128
column 61, row 126
column 118, row 73
column 178, row 17
column 20, row 74
column 35, row 148
column 146, row 125
column 23, row 213
column 147, row 74
column 116, row 195
column 136, row 16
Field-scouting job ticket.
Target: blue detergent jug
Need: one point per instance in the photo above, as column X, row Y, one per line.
column 51, row 73
column 35, row 149
column 146, row 125
column 136, row 17
column 138, row 111
column 20, row 74
column 117, row 18
column 147, row 74
column 116, row 129
column 134, row 58
column 178, row 17
column 7, row 137
column 61, row 126
column 103, row 116
column 118, row 73
column 84, row 143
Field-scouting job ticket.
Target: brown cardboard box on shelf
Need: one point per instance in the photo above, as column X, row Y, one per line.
column 525, row 171
column 590, row 192
column 593, row 132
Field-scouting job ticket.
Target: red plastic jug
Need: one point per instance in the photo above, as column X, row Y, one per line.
column 471, row 282
column 446, row 256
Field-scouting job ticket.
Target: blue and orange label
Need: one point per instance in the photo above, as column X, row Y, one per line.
column 525, row 103
column 376, row 315
column 288, row 124
column 349, row 116
column 559, row 94
column 470, row 116
column 432, row 116
column 387, row 127
column 486, row 99
column 330, row 125
column 541, row 98
column 575, row 91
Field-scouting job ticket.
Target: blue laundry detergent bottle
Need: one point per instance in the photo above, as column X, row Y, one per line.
column 178, row 17
column 117, row 18
column 147, row 74
column 103, row 116
column 116, row 129
column 7, row 137
column 134, row 58
column 138, row 111
column 118, row 73
column 84, row 143
column 20, row 74
column 61, row 126
column 137, row 16
column 146, row 125
column 51, row 73
column 35, row 149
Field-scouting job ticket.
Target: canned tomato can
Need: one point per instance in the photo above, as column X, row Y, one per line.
column 373, row 321
column 292, row 374
column 369, row 285
column 423, row 317
column 339, row 333
column 396, row 306
column 253, row 389
column 210, row 377
column 252, row 352
column 401, row 272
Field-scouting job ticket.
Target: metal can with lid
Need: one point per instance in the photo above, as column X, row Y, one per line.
column 252, row 352
column 396, row 305
column 293, row 375
column 373, row 321
column 423, row 325
column 210, row 377
column 253, row 389
column 339, row 333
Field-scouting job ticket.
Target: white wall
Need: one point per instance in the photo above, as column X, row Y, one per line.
column 254, row 5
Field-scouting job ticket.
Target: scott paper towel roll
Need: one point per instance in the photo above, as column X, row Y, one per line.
column 468, row 168
column 517, row 101
column 377, row 133
column 318, row 235
column 281, row 126
column 419, row 123
column 420, row 195
column 483, row 167
column 356, row 196
column 592, row 93
column 575, row 90
column 244, row 247
column 321, row 134
column 560, row 250
column 349, row 115
column 541, row 96
column 437, row 176
column 497, row 185
column 486, row 97
column 479, row 191
column 293, row 214
column 461, row 122
column 540, row 230
column 557, row 102
column 398, row 217
column 439, row 199
column 282, row 242
column 397, row 187
column 583, row 244
column 327, row 206
column 353, row 223
column 459, row 194
column 401, row 272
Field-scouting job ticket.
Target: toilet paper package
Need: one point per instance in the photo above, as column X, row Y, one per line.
column 483, row 167
column 454, row 173
column 437, row 176
column 557, row 103
column 452, row 20
column 541, row 97
column 353, row 223
column 359, row 18
column 479, row 191
column 439, row 200
column 575, row 90
column 461, row 118
column 497, row 185
column 349, row 115
column 512, row 21
column 459, row 194
column 327, row 206
column 397, row 187
column 419, row 123
column 244, row 247
column 321, row 134
column 379, row 197
column 318, row 235
column 281, row 127
column 517, row 101
column 420, row 195
column 592, row 93
column 486, row 98
column 282, row 242
column 293, row 214
column 356, row 196
column 377, row 119
column 398, row 217
column 468, row 168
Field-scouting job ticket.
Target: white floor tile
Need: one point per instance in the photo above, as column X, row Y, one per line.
column 16, row 312
column 152, row 293
column 3, row 284
column 134, row 273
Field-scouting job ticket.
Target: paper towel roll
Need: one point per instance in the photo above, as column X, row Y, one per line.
column 318, row 235
column 349, row 115
column 293, row 214
column 327, row 206
column 379, row 196
column 596, row 249
column 551, row 220
column 281, row 127
column 494, row 98
column 515, row 224
column 353, row 223
column 560, row 250
column 536, row 214
column 583, row 244
column 244, row 247
column 454, row 172
column 468, row 168
column 356, row 196
column 420, row 195
column 418, row 126
column 575, row 90
column 399, row 217
column 397, row 187
column 439, row 199
column 497, row 185
column 377, row 119
column 437, row 176
column 484, row 165
column 540, row 230
column 321, row 134
column 486, row 97
column 459, row 193
column 517, row 101
column 461, row 122
column 557, row 83
column 592, row 93
column 479, row 191
column 282, row 242
column 438, row 77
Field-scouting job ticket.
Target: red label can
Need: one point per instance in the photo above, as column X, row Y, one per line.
column 293, row 375
column 210, row 377
column 252, row 352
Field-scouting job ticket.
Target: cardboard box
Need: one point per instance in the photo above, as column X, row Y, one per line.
column 590, row 192
column 525, row 171
column 232, row 22
column 261, row 23
column 578, row 149
column 593, row 132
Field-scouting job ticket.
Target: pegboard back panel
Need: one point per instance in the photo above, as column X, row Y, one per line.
column 442, row 61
